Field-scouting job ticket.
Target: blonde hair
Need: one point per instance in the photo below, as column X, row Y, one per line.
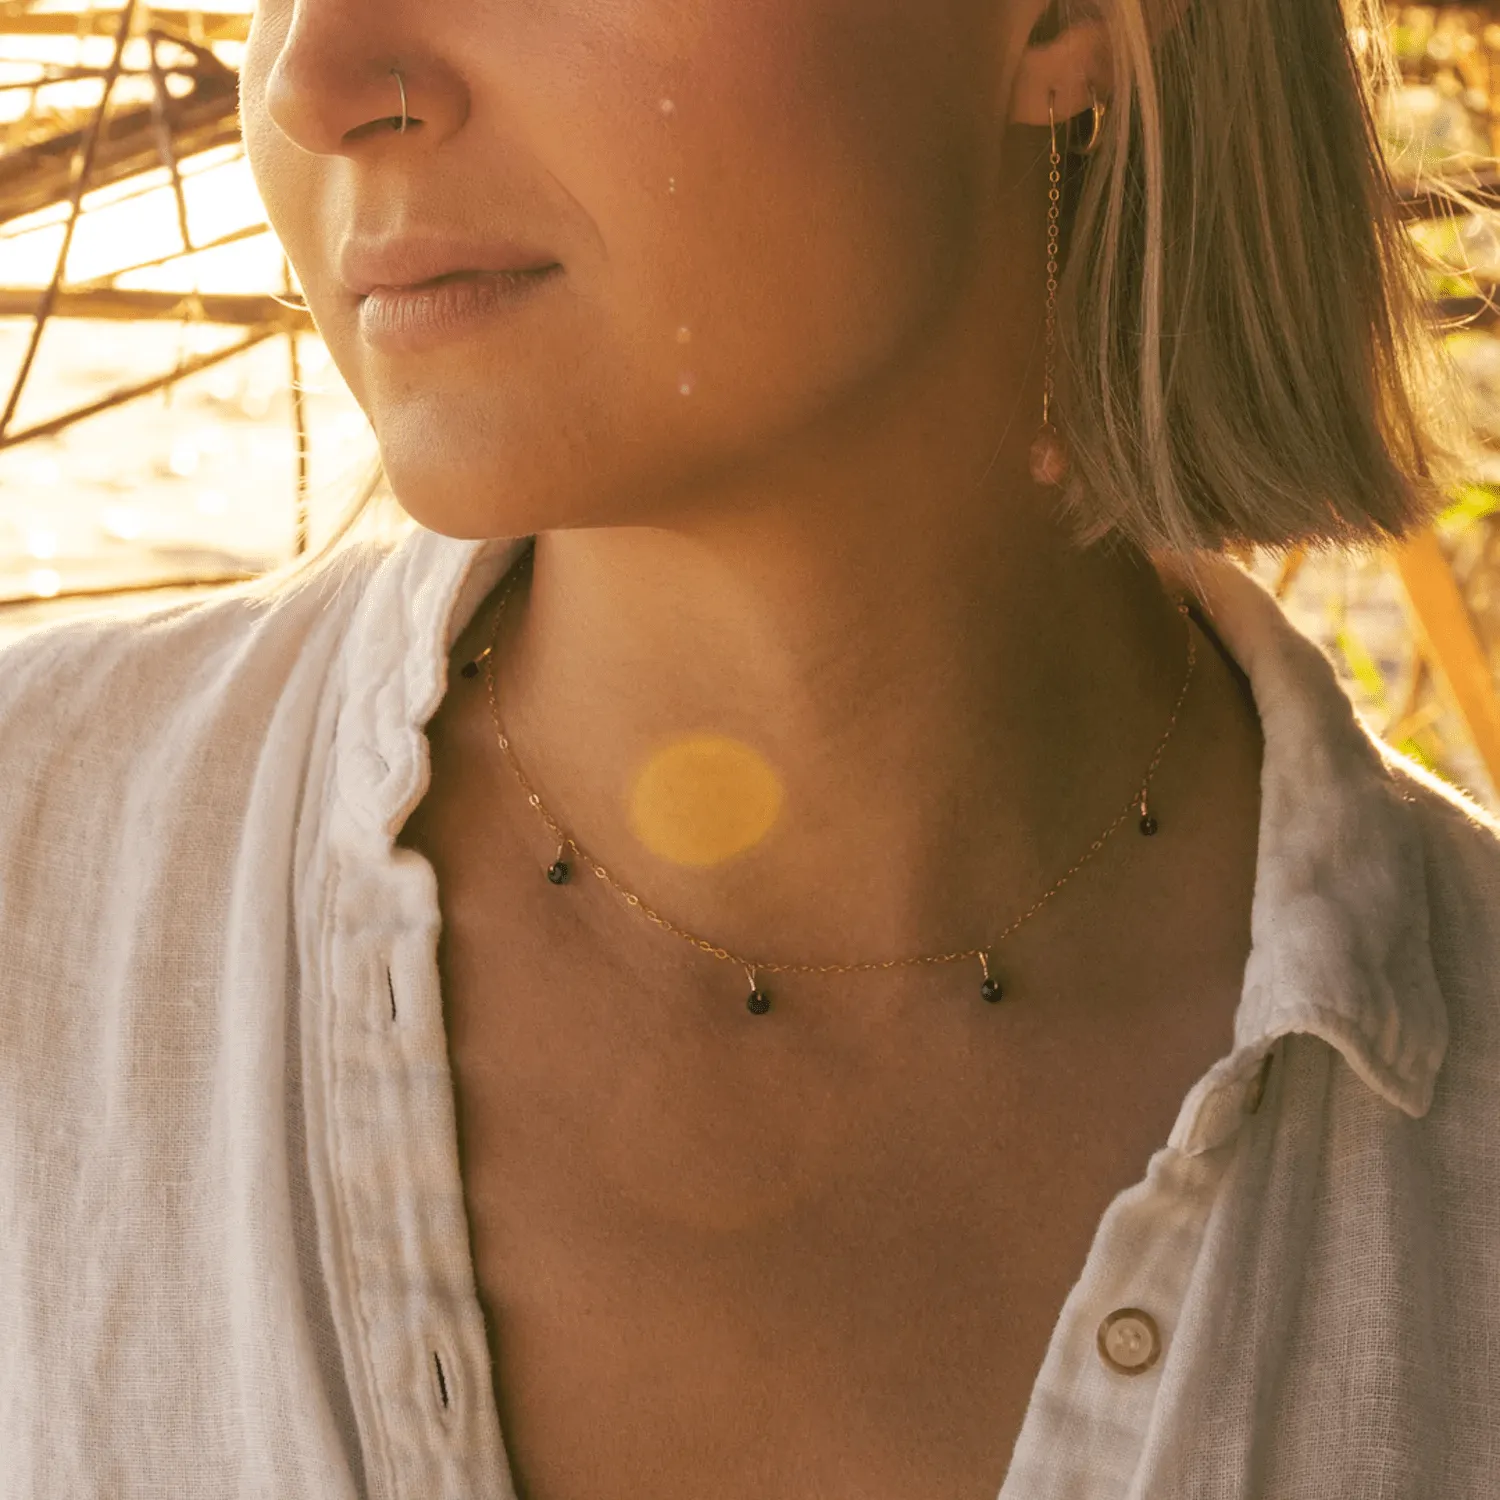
column 371, row 516
column 1245, row 351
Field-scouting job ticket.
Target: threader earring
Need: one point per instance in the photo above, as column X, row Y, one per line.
column 1049, row 454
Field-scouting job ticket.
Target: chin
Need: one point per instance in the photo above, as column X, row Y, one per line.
column 508, row 469
column 474, row 495
column 461, row 507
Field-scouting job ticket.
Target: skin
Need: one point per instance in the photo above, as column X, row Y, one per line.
column 830, row 563
column 830, row 554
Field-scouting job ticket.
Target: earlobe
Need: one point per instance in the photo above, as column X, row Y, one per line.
column 1070, row 72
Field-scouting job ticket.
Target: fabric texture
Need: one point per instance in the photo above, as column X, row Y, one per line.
column 233, row 1243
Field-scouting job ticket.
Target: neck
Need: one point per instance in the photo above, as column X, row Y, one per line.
column 832, row 745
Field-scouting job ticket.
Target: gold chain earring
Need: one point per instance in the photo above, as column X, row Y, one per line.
column 1049, row 453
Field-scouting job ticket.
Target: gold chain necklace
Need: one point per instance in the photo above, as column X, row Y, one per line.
column 759, row 1001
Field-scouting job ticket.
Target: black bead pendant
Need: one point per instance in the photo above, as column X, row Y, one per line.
column 991, row 990
column 1149, row 825
column 470, row 669
column 558, row 874
column 758, row 1003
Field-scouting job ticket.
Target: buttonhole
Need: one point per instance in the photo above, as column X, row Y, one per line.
column 442, row 1383
column 390, row 985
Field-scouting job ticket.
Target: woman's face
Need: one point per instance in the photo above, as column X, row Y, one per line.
column 761, row 211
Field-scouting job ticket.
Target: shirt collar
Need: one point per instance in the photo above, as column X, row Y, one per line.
column 1340, row 945
column 1339, row 918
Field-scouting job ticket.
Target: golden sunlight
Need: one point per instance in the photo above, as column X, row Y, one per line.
column 703, row 799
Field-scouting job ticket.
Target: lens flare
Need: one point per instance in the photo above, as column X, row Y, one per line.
column 704, row 799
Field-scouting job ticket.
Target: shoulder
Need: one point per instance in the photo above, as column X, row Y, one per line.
column 113, row 729
column 1460, row 847
column 1460, row 840
column 105, row 673
column 120, row 682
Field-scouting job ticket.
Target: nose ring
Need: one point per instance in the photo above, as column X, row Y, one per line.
column 401, row 84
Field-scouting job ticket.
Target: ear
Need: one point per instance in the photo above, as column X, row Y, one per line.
column 1070, row 70
column 1075, row 62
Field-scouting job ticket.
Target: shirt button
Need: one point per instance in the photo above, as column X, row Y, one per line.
column 1129, row 1341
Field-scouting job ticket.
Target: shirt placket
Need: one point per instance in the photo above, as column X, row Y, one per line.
column 405, row 1302
column 1096, row 1395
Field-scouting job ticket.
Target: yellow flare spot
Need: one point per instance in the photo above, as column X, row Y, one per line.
column 703, row 799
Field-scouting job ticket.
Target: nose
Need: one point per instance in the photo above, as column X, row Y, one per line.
column 348, row 71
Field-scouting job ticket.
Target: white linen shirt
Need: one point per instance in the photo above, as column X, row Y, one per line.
column 234, row 1257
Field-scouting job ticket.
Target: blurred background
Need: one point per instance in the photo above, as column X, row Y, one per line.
column 169, row 422
column 165, row 421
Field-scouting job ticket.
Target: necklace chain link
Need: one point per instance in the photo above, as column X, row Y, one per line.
column 1137, row 803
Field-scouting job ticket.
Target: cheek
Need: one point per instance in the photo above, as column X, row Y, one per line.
column 810, row 199
column 287, row 179
column 735, row 263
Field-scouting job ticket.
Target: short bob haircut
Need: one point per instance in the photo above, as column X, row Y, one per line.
column 1247, row 352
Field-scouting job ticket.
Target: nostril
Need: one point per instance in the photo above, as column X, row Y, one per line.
column 384, row 125
column 328, row 101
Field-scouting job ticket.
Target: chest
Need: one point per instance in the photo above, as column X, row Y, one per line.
column 751, row 1255
column 696, row 1280
column 815, row 1253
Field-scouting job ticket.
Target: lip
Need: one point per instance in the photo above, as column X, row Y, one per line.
column 407, row 319
column 366, row 266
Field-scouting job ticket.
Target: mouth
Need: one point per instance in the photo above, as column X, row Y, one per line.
column 408, row 264
column 426, row 314
column 449, row 277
